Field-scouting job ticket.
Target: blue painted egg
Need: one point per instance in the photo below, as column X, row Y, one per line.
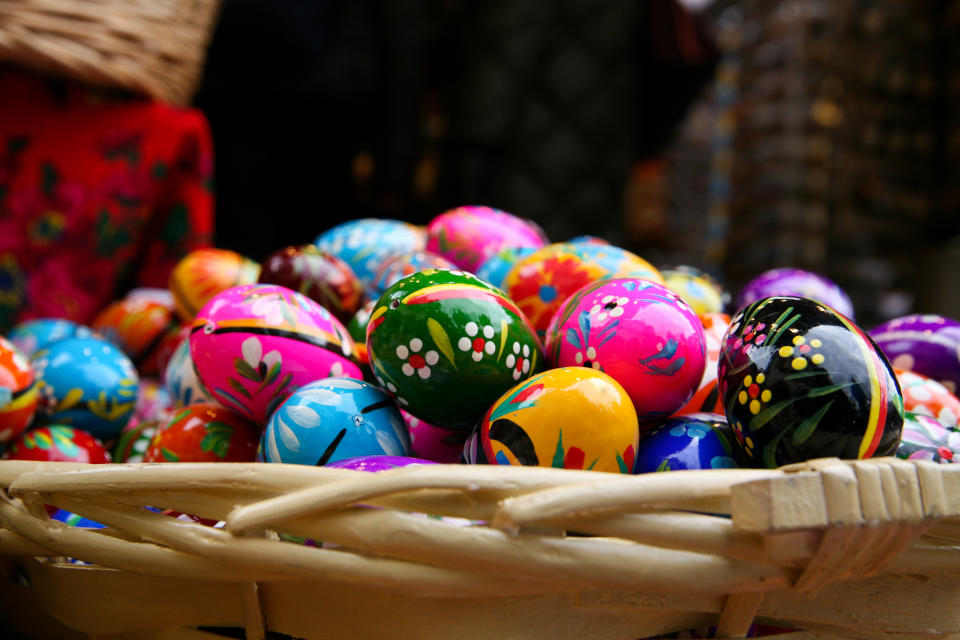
column 74, row 520
column 33, row 335
column 495, row 268
column 87, row 383
column 367, row 243
column 698, row 441
column 334, row 419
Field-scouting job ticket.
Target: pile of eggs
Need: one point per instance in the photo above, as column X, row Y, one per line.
column 476, row 340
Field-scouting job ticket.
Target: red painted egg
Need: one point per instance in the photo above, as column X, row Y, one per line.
column 204, row 433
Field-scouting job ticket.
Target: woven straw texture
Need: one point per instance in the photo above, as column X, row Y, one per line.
column 866, row 549
column 152, row 47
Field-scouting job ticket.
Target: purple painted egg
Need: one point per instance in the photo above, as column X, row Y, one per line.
column 254, row 345
column 399, row 267
column 469, row 235
column 638, row 332
column 430, row 442
column 377, row 463
column 926, row 344
column 799, row 283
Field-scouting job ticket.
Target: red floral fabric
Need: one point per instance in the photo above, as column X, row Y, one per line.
column 98, row 194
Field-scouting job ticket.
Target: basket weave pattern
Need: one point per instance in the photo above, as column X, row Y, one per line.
column 854, row 549
column 152, row 47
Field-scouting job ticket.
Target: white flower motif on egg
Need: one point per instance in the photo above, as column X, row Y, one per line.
column 477, row 343
column 519, row 360
column 609, row 305
column 414, row 362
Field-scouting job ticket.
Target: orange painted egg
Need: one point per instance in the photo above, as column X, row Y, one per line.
column 204, row 273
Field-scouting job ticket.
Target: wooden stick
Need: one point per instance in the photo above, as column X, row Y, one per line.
column 738, row 614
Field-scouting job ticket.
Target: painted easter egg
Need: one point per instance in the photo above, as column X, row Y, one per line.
column 19, row 392
column 74, row 520
column 357, row 327
column 366, row 243
column 58, row 443
column 33, row 335
column 796, row 283
column 322, row 277
column 373, row 464
column 571, row 418
column 638, row 332
column 86, row 383
column 469, row 235
column 928, row 344
column 433, row 443
column 180, row 379
column 446, row 344
column 153, row 401
column 925, row 396
column 495, row 268
column 254, row 345
column 925, row 438
column 707, row 396
column 406, row 264
column 204, row 433
column 541, row 282
column 588, row 239
column 801, row 381
column 204, row 273
column 134, row 440
column 142, row 327
column 334, row 419
column 697, row 288
column 701, row 441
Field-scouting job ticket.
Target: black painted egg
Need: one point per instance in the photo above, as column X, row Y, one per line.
column 801, row 381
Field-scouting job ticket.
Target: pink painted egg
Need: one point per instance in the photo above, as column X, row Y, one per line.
column 639, row 333
column 254, row 345
column 433, row 443
column 467, row 236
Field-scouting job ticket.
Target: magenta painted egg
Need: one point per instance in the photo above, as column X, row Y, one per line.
column 254, row 345
column 431, row 442
column 639, row 333
column 467, row 236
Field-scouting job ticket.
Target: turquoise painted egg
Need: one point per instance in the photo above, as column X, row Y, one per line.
column 33, row 335
column 801, row 381
column 446, row 344
column 366, row 243
column 698, row 441
column 334, row 419
column 495, row 268
column 87, row 383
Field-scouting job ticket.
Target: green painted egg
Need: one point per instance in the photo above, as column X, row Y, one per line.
column 446, row 345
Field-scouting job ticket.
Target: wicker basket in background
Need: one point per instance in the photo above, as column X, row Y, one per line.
column 151, row 47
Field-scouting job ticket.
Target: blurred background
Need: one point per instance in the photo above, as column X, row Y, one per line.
column 734, row 136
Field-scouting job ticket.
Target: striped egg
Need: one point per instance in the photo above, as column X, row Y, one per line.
column 254, row 345
column 801, row 381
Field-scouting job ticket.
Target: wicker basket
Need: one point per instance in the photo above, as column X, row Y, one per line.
column 861, row 550
column 152, row 47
